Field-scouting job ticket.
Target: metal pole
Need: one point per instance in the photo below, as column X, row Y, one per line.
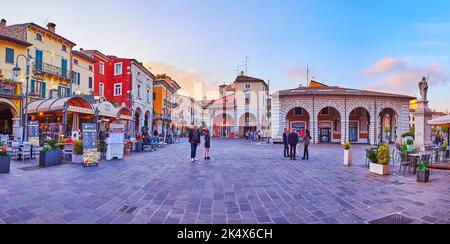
column 25, row 130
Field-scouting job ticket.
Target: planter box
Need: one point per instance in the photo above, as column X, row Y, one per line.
column 77, row 159
column 423, row 176
column 51, row 158
column 5, row 165
column 348, row 158
column 379, row 169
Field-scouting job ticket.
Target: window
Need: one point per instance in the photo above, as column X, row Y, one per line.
column 9, row 55
column 101, row 88
column 154, row 96
column 37, row 88
column 63, row 91
column 90, row 68
column 298, row 111
column 139, row 91
column 76, row 78
column 325, row 111
column 102, row 68
column 75, row 61
column 64, row 68
column 248, row 86
column 118, row 69
column 118, row 89
column 148, row 96
column 247, row 99
column 39, row 37
column 64, row 48
column 90, row 82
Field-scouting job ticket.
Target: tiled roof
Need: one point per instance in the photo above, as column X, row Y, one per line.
column 14, row 40
column 83, row 55
column 91, row 54
column 19, row 31
column 338, row 91
column 245, row 79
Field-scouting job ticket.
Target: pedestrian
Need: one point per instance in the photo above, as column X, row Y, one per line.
column 306, row 142
column 207, row 138
column 252, row 136
column 247, row 135
column 286, row 143
column 194, row 140
column 293, row 141
column 259, row 135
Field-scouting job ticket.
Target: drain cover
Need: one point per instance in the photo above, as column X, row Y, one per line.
column 394, row 219
column 127, row 209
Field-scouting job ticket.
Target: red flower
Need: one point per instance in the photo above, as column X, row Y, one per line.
column 4, row 150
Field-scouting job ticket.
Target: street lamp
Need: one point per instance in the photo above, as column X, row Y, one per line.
column 16, row 72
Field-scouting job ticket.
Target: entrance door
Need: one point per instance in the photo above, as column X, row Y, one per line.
column 325, row 135
column 300, row 128
column 353, row 136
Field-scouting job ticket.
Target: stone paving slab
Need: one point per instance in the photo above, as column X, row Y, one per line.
column 243, row 183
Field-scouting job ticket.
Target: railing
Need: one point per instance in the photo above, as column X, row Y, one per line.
column 39, row 66
column 9, row 88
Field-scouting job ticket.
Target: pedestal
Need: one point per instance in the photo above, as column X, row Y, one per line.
column 422, row 115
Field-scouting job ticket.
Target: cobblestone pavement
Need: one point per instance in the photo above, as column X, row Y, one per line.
column 244, row 183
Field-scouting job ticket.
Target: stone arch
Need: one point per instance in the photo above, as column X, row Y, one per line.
column 147, row 119
column 10, row 115
column 359, row 125
column 137, row 119
column 12, row 107
column 331, row 126
column 223, row 125
column 388, row 118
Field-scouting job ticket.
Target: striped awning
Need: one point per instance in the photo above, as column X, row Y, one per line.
column 74, row 104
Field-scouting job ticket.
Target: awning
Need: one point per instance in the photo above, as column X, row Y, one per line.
column 125, row 113
column 441, row 121
column 106, row 109
column 74, row 104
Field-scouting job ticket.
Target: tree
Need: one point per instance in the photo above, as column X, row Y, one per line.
column 444, row 129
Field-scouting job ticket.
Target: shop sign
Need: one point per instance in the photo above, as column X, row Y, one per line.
column 90, row 155
column 33, row 133
column 80, row 110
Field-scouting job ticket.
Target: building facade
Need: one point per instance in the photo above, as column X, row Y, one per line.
column 83, row 74
column 337, row 115
column 242, row 107
column 165, row 104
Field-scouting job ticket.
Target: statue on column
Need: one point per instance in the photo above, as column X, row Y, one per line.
column 423, row 87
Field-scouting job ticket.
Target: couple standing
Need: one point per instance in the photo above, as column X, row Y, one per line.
column 291, row 140
column 194, row 139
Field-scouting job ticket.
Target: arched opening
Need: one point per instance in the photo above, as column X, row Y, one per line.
column 329, row 125
column 247, row 122
column 146, row 119
column 359, row 126
column 137, row 119
column 7, row 114
column 223, row 125
column 298, row 118
column 387, row 126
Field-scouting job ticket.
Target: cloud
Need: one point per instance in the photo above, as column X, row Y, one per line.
column 398, row 77
column 194, row 83
column 385, row 66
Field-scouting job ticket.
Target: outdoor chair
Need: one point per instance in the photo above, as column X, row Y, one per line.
column 25, row 152
column 67, row 152
column 404, row 162
column 367, row 163
column 36, row 152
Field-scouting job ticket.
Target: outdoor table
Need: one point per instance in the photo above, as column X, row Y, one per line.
column 415, row 157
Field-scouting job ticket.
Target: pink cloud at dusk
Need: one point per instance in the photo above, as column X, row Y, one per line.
column 398, row 77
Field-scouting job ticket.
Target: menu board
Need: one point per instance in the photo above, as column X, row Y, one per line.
column 90, row 155
column 33, row 133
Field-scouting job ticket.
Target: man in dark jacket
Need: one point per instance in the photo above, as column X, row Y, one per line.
column 285, row 142
column 194, row 139
column 293, row 141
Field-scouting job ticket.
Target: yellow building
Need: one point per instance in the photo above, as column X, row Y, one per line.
column 82, row 74
column 10, row 89
column 51, row 58
column 164, row 91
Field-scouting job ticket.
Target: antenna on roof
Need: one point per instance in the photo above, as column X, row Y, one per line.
column 308, row 69
column 246, row 63
column 46, row 21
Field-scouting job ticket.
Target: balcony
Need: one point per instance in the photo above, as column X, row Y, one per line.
column 9, row 88
column 43, row 68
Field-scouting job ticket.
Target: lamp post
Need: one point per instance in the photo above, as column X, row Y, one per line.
column 16, row 71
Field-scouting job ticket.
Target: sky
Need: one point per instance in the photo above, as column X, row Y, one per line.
column 381, row 45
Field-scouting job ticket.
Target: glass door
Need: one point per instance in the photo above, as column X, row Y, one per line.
column 325, row 135
column 353, row 136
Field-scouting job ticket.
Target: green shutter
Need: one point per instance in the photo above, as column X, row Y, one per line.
column 44, row 86
column 32, row 87
column 69, row 92
column 59, row 91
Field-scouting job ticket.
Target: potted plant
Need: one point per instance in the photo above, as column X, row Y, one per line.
column 50, row 155
column 5, row 161
column 410, row 146
column 347, row 154
column 423, row 172
column 77, row 155
column 381, row 167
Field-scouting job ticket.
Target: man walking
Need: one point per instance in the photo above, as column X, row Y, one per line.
column 285, row 142
column 293, row 141
column 194, row 140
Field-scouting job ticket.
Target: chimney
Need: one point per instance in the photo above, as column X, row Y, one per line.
column 242, row 73
column 2, row 23
column 51, row 27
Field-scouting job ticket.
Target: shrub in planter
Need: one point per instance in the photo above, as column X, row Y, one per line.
column 410, row 145
column 347, row 154
column 5, row 161
column 372, row 156
column 381, row 166
column 77, row 156
column 50, row 154
column 423, row 172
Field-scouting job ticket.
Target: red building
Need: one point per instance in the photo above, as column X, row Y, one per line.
column 124, row 81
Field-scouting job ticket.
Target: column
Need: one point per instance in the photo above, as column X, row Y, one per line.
column 278, row 120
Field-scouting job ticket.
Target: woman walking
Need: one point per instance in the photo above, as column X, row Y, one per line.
column 207, row 143
column 306, row 142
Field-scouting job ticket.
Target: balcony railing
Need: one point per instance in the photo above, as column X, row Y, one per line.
column 9, row 88
column 39, row 66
